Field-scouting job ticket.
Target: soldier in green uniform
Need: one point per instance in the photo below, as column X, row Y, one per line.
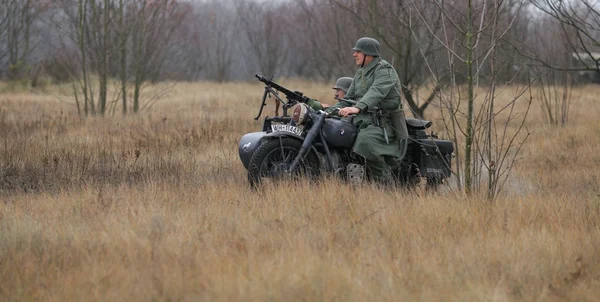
column 381, row 139
column 341, row 88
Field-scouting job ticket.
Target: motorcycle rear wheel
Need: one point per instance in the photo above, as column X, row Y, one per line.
column 274, row 157
column 433, row 183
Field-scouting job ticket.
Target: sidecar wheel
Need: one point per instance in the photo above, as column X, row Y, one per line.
column 408, row 177
column 273, row 158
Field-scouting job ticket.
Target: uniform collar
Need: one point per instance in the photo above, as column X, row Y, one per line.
column 369, row 66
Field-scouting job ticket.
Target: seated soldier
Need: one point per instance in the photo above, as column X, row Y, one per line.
column 341, row 88
column 376, row 84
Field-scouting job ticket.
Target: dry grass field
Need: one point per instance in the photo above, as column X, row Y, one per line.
column 156, row 207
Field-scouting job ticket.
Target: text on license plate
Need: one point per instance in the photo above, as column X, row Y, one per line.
column 286, row 128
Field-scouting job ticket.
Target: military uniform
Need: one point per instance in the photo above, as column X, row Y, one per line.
column 376, row 85
column 314, row 104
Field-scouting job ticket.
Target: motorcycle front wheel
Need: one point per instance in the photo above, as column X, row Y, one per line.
column 273, row 158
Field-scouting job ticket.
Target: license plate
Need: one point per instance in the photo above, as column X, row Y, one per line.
column 286, row 128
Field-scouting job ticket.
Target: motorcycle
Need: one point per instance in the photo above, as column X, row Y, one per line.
column 312, row 143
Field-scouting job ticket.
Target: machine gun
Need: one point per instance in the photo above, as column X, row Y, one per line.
column 292, row 95
column 271, row 89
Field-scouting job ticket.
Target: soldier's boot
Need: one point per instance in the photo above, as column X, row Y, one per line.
column 395, row 162
column 380, row 172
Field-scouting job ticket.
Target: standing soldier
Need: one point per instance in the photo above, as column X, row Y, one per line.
column 382, row 135
column 341, row 88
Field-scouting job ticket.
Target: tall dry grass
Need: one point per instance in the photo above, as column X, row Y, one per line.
column 156, row 207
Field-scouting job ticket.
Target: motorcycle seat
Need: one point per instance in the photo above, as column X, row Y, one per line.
column 418, row 124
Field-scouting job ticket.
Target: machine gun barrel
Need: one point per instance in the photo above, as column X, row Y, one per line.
column 292, row 95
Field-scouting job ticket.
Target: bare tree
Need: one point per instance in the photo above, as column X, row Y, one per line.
column 221, row 29
column 555, row 96
column 406, row 37
column 187, row 53
column 17, row 18
column 123, row 36
column 88, row 99
column 490, row 134
column 580, row 22
column 562, row 51
column 98, row 32
column 155, row 22
column 323, row 35
column 86, row 24
column 263, row 27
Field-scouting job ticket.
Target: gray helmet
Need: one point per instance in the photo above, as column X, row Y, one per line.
column 343, row 83
column 368, row 46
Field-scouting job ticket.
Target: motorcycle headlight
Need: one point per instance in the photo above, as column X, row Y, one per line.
column 300, row 113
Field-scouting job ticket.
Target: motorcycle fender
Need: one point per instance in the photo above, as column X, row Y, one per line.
column 248, row 144
column 282, row 134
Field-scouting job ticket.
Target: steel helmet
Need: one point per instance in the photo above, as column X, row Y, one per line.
column 368, row 46
column 343, row 83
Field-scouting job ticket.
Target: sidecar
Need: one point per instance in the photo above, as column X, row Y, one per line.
column 248, row 145
column 431, row 155
column 273, row 126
